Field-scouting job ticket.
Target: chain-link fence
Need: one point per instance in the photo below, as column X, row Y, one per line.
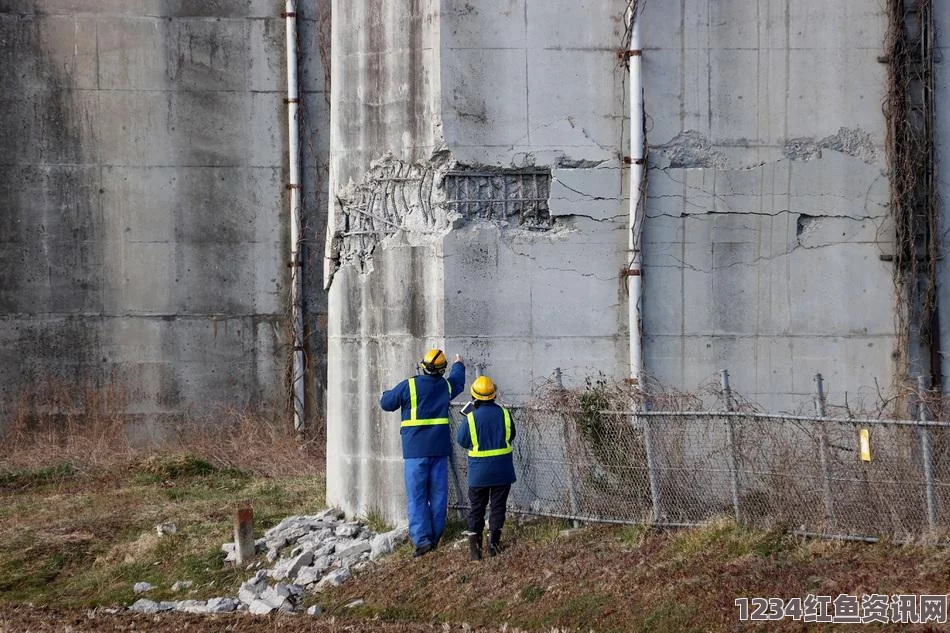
column 845, row 477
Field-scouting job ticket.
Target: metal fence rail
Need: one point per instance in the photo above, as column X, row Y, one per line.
column 846, row 477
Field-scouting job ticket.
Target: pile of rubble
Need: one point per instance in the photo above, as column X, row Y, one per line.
column 308, row 554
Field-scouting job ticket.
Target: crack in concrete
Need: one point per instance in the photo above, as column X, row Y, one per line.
column 778, row 213
column 723, row 198
column 750, row 262
column 560, row 270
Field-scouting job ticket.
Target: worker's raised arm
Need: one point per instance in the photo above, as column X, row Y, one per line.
column 457, row 377
column 391, row 400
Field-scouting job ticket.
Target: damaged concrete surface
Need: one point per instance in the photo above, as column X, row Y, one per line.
column 509, row 253
column 768, row 201
column 767, row 208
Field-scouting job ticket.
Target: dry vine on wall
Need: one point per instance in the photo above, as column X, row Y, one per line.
column 909, row 110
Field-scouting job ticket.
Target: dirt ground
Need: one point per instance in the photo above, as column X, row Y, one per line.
column 24, row 619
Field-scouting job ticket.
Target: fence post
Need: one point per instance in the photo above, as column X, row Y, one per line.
column 571, row 490
column 926, row 454
column 822, row 413
column 731, row 439
column 651, row 467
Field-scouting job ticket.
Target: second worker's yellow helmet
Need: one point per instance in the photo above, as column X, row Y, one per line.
column 483, row 388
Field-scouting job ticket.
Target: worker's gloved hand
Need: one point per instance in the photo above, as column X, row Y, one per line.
column 459, row 359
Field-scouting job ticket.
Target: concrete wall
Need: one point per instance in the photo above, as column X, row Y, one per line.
column 506, row 92
column 386, row 303
column 767, row 205
column 768, row 197
column 144, row 211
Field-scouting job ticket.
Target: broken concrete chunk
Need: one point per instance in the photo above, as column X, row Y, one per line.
column 252, row 589
column 278, row 596
column 220, row 605
column 276, row 542
column 143, row 605
column 386, row 543
column 259, row 607
column 349, row 530
column 308, row 576
column 182, row 584
column 192, row 606
column 315, row 610
column 142, row 587
column 353, row 553
column 290, row 567
column 335, row 578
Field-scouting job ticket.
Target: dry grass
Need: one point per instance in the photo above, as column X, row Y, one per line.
column 634, row 579
column 80, row 498
column 81, row 495
column 88, row 428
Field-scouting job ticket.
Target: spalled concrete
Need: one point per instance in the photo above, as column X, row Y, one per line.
column 767, row 207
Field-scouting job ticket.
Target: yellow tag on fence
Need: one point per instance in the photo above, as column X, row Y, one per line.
column 865, row 440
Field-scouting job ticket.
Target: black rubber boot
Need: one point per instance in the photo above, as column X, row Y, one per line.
column 475, row 546
column 494, row 544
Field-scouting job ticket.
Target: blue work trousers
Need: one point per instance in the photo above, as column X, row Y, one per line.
column 427, row 491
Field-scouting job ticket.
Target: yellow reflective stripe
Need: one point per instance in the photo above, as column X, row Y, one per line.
column 449, row 386
column 425, row 422
column 413, row 401
column 413, row 404
column 471, row 431
column 475, row 452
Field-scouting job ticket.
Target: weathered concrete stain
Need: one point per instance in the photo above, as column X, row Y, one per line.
column 145, row 147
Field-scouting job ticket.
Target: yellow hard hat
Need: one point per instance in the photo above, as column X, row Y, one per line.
column 483, row 388
column 434, row 361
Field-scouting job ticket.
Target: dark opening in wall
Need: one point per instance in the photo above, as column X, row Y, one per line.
column 517, row 196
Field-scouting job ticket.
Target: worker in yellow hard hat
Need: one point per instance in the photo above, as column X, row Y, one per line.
column 426, row 443
column 487, row 434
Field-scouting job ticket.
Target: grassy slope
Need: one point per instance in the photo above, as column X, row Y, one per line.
column 630, row 579
column 73, row 539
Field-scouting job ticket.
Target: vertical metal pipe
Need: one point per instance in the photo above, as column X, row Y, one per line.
column 731, row 440
column 821, row 412
column 926, row 453
column 637, row 164
column 293, row 184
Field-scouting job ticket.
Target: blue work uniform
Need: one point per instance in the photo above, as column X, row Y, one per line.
column 487, row 433
column 426, row 446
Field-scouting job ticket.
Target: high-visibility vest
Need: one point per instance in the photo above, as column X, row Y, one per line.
column 476, row 451
column 414, row 403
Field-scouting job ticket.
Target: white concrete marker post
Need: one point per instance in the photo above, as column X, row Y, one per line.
column 244, row 535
